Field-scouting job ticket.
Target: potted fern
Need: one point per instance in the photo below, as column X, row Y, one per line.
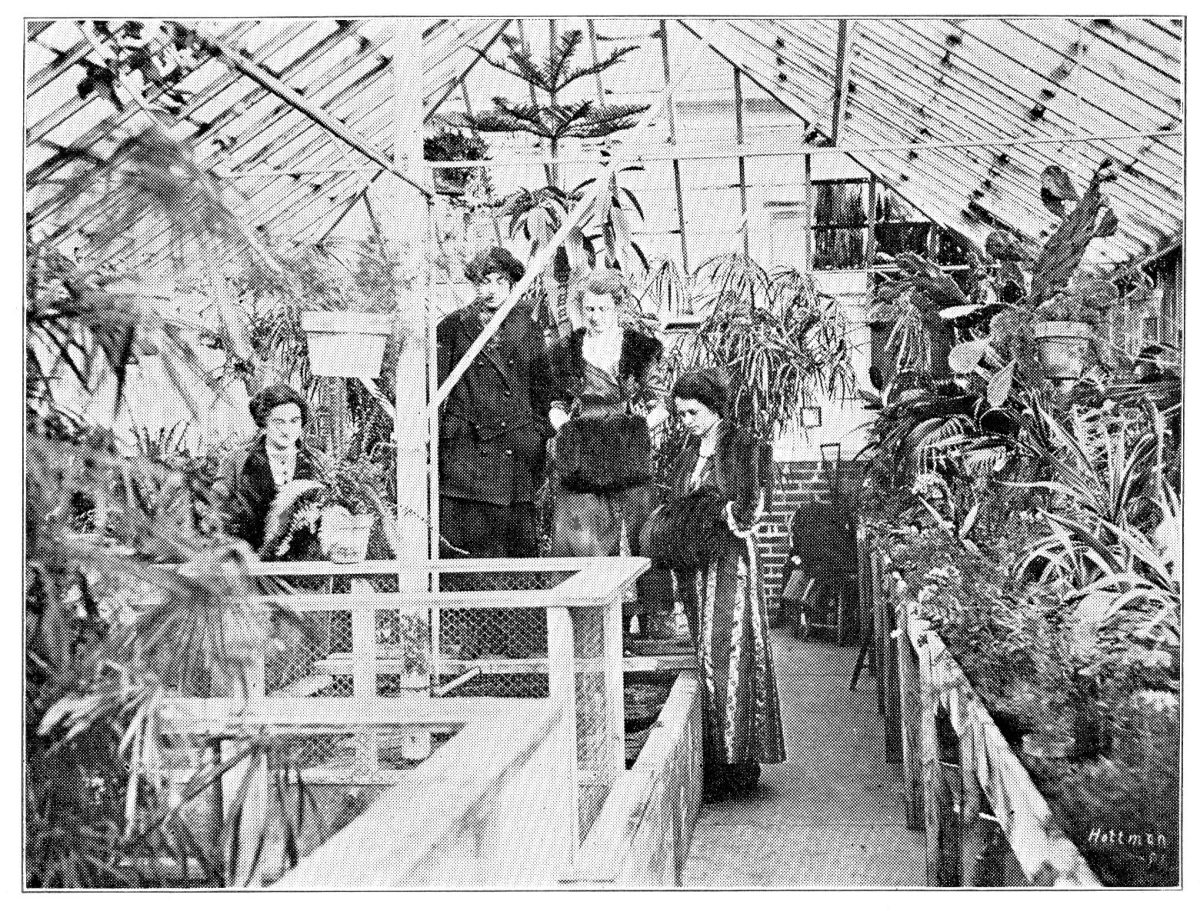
column 331, row 517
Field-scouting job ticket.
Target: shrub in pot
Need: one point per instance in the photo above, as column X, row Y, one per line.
column 1064, row 326
column 453, row 145
column 331, row 517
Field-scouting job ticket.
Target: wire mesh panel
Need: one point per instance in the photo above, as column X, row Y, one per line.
column 399, row 665
column 348, row 753
column 591, row 716
column 504, row 648
column 308, row 652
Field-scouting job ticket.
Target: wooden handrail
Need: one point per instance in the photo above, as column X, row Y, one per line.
column 594, row 582
column 608, row 852
column 388, row 845
column 391, row 567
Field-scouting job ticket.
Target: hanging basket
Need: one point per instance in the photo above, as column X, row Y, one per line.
column 344, row 343
column 344, row 537
column 1064, row 348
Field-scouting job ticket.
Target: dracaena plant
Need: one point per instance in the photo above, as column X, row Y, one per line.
column 782, row 342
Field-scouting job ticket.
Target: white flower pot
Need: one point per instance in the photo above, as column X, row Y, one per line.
column 344, row 537
column 342, row 343
column 1064, row 347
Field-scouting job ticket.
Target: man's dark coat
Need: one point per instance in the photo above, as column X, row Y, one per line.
column 494, row 423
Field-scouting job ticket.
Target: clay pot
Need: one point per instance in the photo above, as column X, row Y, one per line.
column 346, row 343
column 1064, row 348
column 344, row 537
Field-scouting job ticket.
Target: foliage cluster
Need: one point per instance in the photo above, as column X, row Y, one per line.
column 781, row 341
column 1065, row 614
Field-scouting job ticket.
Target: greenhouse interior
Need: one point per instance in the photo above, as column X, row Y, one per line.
column 695, row 452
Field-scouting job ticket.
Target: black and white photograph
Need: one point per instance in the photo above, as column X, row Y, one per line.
column 642, row 453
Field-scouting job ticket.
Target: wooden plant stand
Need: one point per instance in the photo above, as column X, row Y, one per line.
column 929, row 682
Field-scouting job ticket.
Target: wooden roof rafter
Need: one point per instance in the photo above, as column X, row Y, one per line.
column 1024, row 161
column 790, row 101
column 111, row 126
column 432, row 109
column 277, row 87
column 74, row 104
column 283, row 127
column 1004, row 118
column 841, row 78
column 318, row 137
column 1117, row 96
column 794, row 51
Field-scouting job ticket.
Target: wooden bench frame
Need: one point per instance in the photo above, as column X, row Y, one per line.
column 928, row 680
column 594, row 591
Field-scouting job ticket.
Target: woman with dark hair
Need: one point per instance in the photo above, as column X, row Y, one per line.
column 723, row 476
column 603, row 407
column 251, row 477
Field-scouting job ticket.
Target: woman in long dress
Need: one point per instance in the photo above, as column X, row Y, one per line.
column 722, row 594
column 603, row 408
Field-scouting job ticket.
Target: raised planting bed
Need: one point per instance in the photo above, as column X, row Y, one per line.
column 456, row 820
column 530, row 769
column 490, row 809
column 991, row 775
column 641, row 836
column 998, row 808
column 644, row 700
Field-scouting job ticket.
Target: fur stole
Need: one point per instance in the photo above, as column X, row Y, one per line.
column 639, row 352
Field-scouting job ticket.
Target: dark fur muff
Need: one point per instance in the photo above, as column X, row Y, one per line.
column 603, row 454
column 688, row 531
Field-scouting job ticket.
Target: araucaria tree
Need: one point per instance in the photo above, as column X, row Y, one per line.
column 536, row 215
column 554, row 119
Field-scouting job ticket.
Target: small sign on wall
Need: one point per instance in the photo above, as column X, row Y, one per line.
column 810, row 417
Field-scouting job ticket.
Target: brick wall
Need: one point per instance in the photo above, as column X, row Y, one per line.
column 795, row 483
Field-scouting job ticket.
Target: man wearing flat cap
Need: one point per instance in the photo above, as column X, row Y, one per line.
column 494, row 423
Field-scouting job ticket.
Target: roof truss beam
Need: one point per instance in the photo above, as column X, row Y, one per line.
column 265, row 80
column 841, row 78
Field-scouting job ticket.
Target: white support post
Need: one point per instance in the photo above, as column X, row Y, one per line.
column 671, row 140
column 365, row 661
column 365, row 670
column 614, row 689
column 561, row 658
column 841, row 76
column 810, row 240
column 408, row 219
column 741, row 138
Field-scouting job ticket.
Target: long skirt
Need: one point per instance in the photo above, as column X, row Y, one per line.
column 590, row 524
column 739, row 693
